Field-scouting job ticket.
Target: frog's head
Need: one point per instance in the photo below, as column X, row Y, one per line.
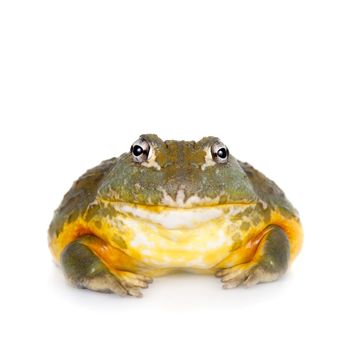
column 177, row 174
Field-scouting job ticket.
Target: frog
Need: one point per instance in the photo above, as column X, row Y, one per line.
column 167, row 206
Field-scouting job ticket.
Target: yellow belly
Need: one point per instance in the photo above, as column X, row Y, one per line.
column 164, row 238
column 197, row 238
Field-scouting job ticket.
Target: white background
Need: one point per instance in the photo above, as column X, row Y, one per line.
column 80, row 80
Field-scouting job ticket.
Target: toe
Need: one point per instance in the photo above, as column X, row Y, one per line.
column 147, row 279
column 223, row 272
column 231, row 284
column 135, row 292
column 136, row 283
column 233, row 274
column 117, row 288
column 143, row 278
column 252, row 279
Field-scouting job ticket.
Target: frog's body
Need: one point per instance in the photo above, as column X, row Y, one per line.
column 175, row 206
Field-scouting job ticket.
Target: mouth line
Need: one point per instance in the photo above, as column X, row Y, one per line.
column 158, row 207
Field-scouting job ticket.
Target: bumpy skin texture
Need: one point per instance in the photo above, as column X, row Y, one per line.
column 180, row 209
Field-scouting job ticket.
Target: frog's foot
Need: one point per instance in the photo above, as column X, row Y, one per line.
column 84, row 269
column 268, row 264
column 246, row 275
column 132, row 282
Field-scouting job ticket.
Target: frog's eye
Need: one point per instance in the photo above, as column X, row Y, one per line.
column 219, row 152
column 140, row 150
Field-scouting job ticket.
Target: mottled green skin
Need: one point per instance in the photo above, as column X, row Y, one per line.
column 80, row 262
column 81, row 194
column 181, row 168
column 268, row 191
column 276, row 252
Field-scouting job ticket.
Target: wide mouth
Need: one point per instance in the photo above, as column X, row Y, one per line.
column 172, row 206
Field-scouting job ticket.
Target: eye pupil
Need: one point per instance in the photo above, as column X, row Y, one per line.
column 140, row 150
column 137, row 150
column 219, row 152
column 222, row 153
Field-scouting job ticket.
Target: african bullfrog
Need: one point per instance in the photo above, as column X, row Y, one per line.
column 173, row 205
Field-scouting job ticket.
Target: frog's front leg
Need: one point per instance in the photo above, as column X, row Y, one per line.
column 83, row 267
column 268, row 263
